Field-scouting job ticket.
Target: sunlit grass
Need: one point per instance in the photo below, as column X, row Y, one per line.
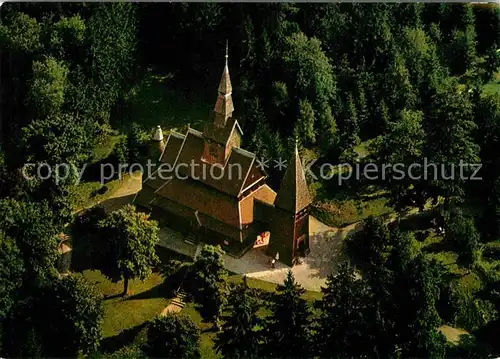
column 338, row 213
column 84, row 195
column 143, row 302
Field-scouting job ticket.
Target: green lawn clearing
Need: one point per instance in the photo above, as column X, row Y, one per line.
column 104, row 148
column 270, row 287
column 84, row 195
column 339, row 213
column 144, row 301
column 207, row 335
column 153, row 101
column 365, row 148
column 493, row 86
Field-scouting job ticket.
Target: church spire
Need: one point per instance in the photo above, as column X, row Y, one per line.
column 293, row 195
column 224, row 106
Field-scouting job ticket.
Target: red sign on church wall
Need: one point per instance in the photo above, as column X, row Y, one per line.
column 262, row 240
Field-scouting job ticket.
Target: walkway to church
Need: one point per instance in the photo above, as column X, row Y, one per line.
column 326, row 245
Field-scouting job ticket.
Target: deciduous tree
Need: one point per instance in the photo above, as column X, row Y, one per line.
column 34, row 229
column 210, row 281
column 11, row 271
column 62, row 320
column 129, row 238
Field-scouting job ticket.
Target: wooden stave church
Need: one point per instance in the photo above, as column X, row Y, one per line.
column 234, row 211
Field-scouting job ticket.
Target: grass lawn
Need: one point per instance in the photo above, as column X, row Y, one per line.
column 104, row 148
column 84, row 195
column 270, row 287
column 124, row 317
column 144, row 301
column 339, row 213
column 494, row 85
column 365, row 148
column 207, row 336
column 153, row 101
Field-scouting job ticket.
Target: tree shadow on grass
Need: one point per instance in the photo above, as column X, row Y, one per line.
column 86, row 252
column 162, row 290
column 437, row 247
column 124, row 338
column 115, row 203
column 419, row 221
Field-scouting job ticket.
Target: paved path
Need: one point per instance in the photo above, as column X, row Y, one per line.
column 124, row 194
column 326, row 244
column 327, row 250
column 175, row 305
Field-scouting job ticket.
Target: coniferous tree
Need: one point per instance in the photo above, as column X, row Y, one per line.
column 451, row 109
column 350, row 133
column 240, row 337
column 304, row 128
column 373, row 243
column 403, row 147
column 287, row 328
column 342, row 325
column 462, row 235
column 417, row 326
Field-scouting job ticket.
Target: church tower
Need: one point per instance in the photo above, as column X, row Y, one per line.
column 290, row 224
column 223, row 132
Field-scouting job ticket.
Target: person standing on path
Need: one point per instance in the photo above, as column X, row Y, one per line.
column 277, row 256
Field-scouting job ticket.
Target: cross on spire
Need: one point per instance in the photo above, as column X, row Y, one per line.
column 227, row 51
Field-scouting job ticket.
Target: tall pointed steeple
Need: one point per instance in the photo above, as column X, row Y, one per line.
column 224, row 106
column 293, row 195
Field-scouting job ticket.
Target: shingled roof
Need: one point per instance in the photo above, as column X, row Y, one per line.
column 293, row 195
column 222, row 134
column 224, row 105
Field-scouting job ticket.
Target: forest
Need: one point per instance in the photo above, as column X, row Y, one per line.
column 87, row 83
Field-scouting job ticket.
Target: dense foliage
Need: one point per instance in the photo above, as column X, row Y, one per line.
column 128, row 240
column 173, row 336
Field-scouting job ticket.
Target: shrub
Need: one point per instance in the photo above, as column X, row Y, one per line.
column 137, row 143
column 173, row 336
column 120, row 152
column 468, row 311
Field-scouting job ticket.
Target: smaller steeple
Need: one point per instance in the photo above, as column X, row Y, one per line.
column 293, row 195
column 158, row 134
column 224, row 106
column 158, row 140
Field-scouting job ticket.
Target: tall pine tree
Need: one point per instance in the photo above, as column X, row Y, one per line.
column 240, row 337
column 287, row 329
